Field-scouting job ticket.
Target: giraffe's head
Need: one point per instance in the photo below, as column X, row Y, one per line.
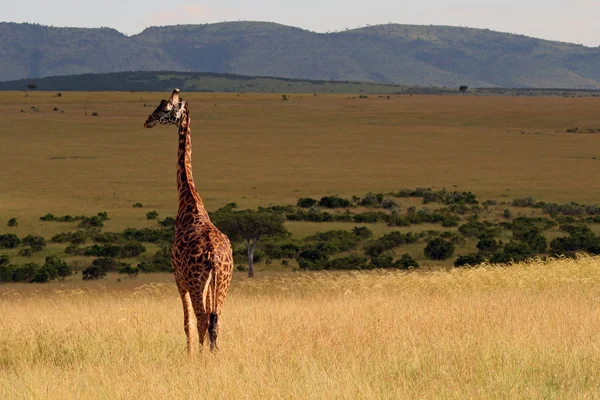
column 168, row 112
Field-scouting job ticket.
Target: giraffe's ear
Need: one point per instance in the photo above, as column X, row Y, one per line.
column 174, row 100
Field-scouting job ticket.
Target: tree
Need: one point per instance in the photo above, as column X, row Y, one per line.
column 439, row 249
column 250, row 226
column 463, row 88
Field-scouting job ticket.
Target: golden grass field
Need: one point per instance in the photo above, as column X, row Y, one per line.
column 520, row 331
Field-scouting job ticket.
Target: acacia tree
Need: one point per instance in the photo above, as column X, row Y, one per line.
column 463, row 88
column 250, row 226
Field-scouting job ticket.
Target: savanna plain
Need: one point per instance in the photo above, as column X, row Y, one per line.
column 522, row 330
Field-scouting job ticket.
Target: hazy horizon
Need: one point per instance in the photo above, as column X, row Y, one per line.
column 571, row 21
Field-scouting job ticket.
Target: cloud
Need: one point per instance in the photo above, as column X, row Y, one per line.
column 197, row 11
column 186, row 14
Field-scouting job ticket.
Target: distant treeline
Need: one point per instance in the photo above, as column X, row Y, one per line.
column 222, row 82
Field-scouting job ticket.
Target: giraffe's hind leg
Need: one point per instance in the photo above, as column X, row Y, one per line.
column 201, row 318
column 187, row 319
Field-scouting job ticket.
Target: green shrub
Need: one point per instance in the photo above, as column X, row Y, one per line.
column 382, row 261
column 12, row 222
column 279, row 250
column 312, row 259
column 362, row 232
column 132, row 249
column 306, row 202
column 168, row 222
column 372, row 200
column 472, row 260
column 439, row 249
column 48, row 217
column 389, row 242
column 406, row 262
column 160, row 262
column 489, row 245
column 138, row 205
column 335, row 241
column 524, row 202
column 92, row 222
column 130, row 271
column 9, row 241
column 26, row 252
column 79, row 237
column 351, row 262
column 152, row 215
column 56, row 268
column 93, row 272
column 334, row 202
column 37, row 243
column 25, row 273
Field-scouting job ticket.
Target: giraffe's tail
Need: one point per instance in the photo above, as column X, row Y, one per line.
column 213, row 322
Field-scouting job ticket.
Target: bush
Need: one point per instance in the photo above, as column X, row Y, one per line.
column 279, row 250
column 48, row 217
column 390, row 241
column 372, row 200
column 335, row 241
column 12, row 222
column 152, row 215
column 306, row 202
column 489, row 245
column 581, row 238
column 478, row 229
column 168, row 222
column 132, row 249
column 160, row 262
column 362, row 232
column 25, row 273
column 347, row 263
column 138, row 205
column 37, row 243
column 93, row 272
column 513, row 251
column 312, row 259
column 406, row 262
column 524, row 202
column 26, row 252
column 79, row 237
column 92, row 222
column 334, row 202
column 149, row 235
column 9, row 241
column 389, row 203
column 472, row 260
column 382, row 261
column 439, row 249
column 56, row 268
column 130, row 271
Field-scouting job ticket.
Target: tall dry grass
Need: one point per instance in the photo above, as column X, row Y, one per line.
column 528, row 330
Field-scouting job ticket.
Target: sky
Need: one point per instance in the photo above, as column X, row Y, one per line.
column 575, row 21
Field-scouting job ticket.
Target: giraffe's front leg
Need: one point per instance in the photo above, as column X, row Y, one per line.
column 187, row 319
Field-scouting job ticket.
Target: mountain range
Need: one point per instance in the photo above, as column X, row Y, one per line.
column 391, row 54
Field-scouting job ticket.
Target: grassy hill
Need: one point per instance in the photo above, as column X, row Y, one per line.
column 393, row 54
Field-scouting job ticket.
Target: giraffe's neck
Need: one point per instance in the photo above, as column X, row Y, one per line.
column 190, row 201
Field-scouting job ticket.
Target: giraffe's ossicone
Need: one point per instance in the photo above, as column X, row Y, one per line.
column 201, row 254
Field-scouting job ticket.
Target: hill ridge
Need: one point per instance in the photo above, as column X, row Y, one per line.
column 404, row 54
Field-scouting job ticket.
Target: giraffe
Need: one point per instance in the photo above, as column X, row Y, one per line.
column 201, row 255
